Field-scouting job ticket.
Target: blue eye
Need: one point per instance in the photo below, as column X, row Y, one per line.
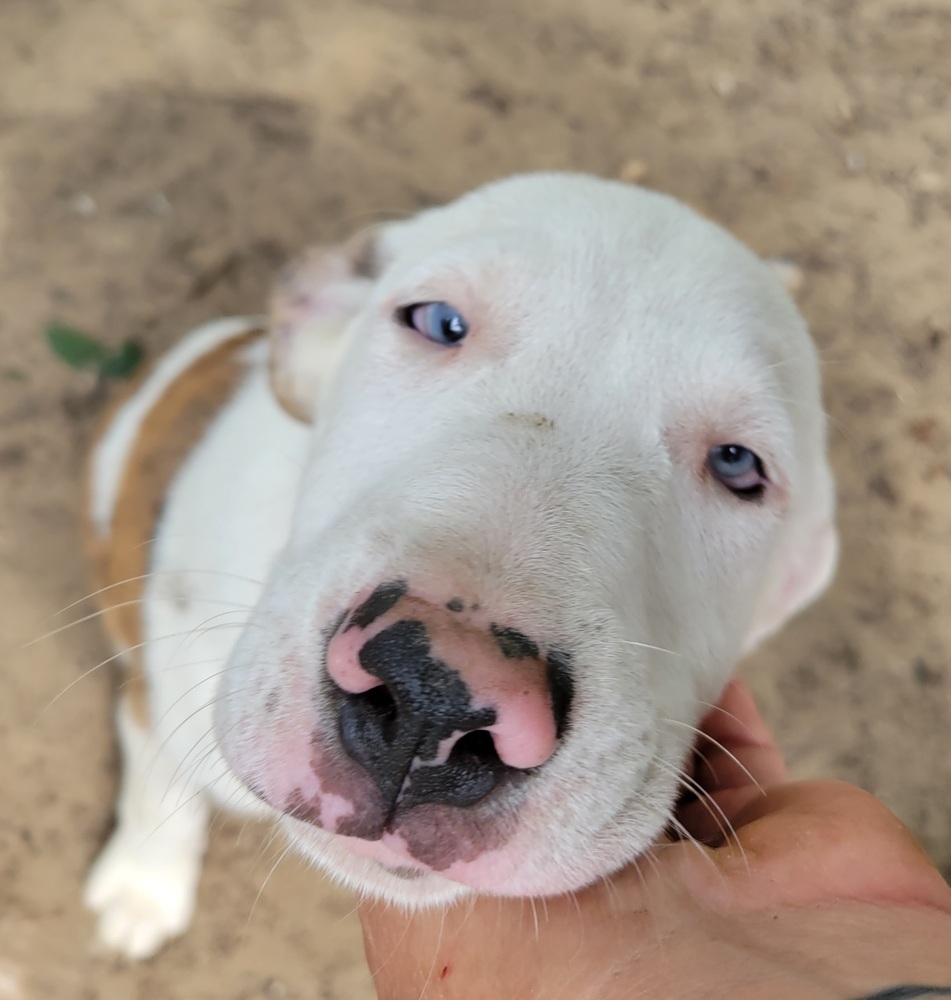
column 437, row 321
column 738, row 469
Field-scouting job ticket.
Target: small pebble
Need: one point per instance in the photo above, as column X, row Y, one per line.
column 724, row 83
column 844, row 113
column 159, row 204
column 83, row 203
column 855, row 161
column 928, row 181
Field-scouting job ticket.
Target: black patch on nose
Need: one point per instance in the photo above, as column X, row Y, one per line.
column 562, row 687
column 421, row 702
column 514, row 645
column 455, row 604
column 378, row 603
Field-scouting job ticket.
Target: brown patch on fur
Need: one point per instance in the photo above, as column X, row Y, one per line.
column 169, row 431
column 135, row 695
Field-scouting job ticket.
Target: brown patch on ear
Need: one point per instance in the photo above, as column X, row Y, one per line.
column 172, row 427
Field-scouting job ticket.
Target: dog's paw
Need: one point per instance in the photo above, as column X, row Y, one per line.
column 141, row 905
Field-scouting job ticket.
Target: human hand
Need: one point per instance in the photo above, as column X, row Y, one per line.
column 817, row 891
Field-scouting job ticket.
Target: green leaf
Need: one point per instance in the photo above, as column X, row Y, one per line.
column 77, row 349
column 122, row 363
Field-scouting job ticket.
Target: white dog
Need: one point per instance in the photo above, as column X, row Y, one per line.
column 444, row 571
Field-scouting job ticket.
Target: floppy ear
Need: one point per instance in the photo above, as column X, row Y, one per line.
column 316, row 296
column 805, row 560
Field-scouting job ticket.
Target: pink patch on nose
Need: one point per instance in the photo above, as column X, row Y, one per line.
column 525, row 733
column 333, row 810
column 343, row 663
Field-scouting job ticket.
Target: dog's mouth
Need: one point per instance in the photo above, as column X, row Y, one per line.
column 442, row 751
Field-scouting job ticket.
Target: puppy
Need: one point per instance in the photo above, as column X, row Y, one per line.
column 442, row 564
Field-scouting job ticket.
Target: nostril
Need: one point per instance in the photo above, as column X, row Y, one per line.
column 471, row 771
column 381, row 701
column 478, row 749
column 379, row 704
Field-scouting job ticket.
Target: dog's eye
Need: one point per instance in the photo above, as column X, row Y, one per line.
column 437, row 321
column 739, row 469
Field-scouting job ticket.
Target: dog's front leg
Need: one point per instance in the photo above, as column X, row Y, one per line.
column 143, row 884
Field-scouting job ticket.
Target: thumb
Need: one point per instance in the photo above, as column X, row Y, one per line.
column 816, row 841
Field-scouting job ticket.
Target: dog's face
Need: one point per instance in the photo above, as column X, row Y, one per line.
column 568, row 465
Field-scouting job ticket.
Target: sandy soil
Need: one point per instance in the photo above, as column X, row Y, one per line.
column 158, row 158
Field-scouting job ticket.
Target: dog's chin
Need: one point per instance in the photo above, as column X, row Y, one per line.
column 370, row 870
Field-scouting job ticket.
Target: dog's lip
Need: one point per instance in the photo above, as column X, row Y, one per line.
column 389, row 852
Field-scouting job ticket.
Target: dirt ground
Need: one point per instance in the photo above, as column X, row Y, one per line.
column 158, row 159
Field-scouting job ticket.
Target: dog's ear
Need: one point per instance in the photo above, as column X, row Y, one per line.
column 317, row 295
column 805, row 560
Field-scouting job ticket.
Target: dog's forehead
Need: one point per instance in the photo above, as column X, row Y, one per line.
column 587, row 224
column 594, row 248
column 591, row 265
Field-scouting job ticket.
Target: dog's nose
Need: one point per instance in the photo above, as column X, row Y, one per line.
column 439, row 709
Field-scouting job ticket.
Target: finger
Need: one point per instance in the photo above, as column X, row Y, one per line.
column 737, row 758
column 728, row 784
column 739, row 748
column 820, row 840
column 736, row 721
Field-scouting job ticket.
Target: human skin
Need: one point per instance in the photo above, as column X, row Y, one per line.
column 820, row 893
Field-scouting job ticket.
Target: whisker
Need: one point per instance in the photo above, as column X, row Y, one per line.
column 691, row 784
column 687, row 836
column 204, row 680
column 105, row 662
column 658, row 649
column 729, row 715
column 113, row 607
column 711, row 805
column 201, row 708
column 150, row 575
column 267, row 879
column 715, row 810
column 266, row 844
column 717, row 743
column 202, row 629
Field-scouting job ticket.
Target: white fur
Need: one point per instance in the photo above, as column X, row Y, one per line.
column 553, row 466
column 201, row 586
